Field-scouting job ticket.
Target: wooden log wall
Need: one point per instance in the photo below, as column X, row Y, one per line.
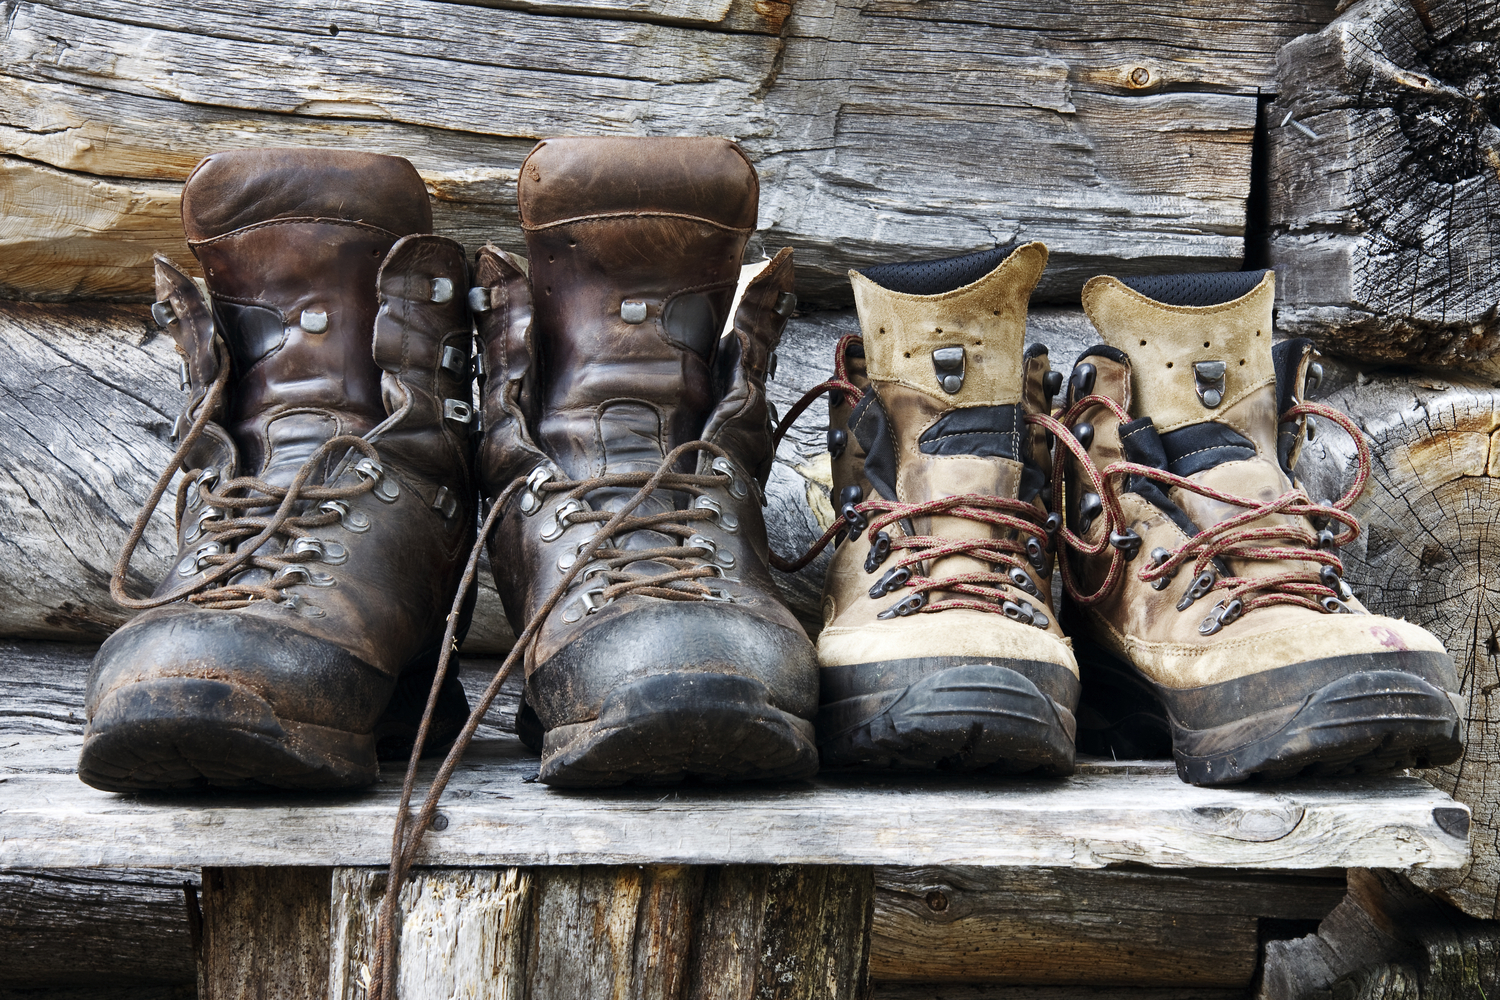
column 1119, row 134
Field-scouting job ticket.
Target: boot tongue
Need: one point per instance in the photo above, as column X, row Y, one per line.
column 1202, row 371
column 291, row 241
column 944, row 352
column 635, row 248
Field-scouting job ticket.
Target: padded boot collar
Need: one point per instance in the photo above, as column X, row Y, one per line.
column 1192, row 363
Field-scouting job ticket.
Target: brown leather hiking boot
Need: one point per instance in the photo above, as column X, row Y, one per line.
column 1207, row 599
column 671, row 654
column 328, row 499
column 940, row 647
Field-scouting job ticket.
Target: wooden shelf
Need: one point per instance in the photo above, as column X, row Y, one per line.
column 1110, row 813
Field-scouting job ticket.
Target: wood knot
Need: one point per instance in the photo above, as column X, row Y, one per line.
column 936, row 901
column 1139, row 77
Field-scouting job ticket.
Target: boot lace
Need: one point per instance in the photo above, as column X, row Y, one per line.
column 233, row 544
column 1318, row 588
column 980, row 591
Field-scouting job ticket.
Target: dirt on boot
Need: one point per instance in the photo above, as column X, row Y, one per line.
column 1205, row 591
column 327, row 498
column 618, row 348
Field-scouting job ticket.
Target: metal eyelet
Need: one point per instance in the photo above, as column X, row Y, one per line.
column 838, row 440
column 356, row 521
column 313, row 320
column 163, row 313
column 726, row 468
column 1017, row 612
column 880, row 550
column 1090, row 506
column 718, row 595
column 458, row 411
column 455, row 362
column 330, row 553
column 588, row 602
column 1022, row 580
column 531, row 499
column 442, row 290
column 894, row 579
column 1127, row 541
column 372, row 471
column 209, row 514
column 720, row 556
column 905, row 608
column 207, row 480
column 193, row 564
column 1201, row 585
column 479, row 299
column 294, row 603
column 1335, row 606
column 724, row 518
column 1221, row 615
column 560, row 522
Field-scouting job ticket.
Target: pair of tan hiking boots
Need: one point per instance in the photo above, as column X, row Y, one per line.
column 336, row 455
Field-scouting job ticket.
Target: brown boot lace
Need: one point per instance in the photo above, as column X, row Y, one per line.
column 234, row 543
column 683, row 583
column 1029, row 539
column 1319, row 589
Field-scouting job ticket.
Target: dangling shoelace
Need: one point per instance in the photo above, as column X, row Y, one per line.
column 681, row 583
column 1238, row 537
column 979, row 591
column 234, row 543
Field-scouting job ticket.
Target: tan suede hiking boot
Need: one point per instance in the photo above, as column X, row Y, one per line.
column 940, row 647
column 1204, row 578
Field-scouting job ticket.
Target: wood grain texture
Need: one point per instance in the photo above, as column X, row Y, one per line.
column 1427, row 554
column 1386, row 941
column 882, row 130
column 1108, row 814
column 649, row 932
column 1384, row 177
column 121, row 928
column 1064, row 927
column 265, row 934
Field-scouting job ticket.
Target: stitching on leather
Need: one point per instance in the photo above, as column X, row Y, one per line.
column 604, row 216
column 296, row 221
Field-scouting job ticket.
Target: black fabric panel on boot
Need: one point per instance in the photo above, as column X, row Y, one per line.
column 1140, row 444
column 1286, row 358
column 982, row 431
column 932, row 277
column 1202, row 446
column 1103, row 351
column 1195, row 289
column 872, row 429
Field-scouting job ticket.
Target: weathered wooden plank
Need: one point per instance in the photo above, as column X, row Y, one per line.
column 977, row 991
column 1427, row 554
column 1057, row 926
column 118, row 928
column 265, row 933
column 882, row 130
column 1384, row 177
column 1108, row 814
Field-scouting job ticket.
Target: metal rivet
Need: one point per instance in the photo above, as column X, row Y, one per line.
column 633, row 311
column 313, row 320
column 442, row 290
column 163, row 313
column 1209, row 380
column 445, row 503
column 479, row 299
column 786, row 303
column 458, row 411
column 948, row 363
column 1211, row 398
column 456, row 361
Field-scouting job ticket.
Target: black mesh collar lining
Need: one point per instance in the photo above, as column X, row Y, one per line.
column 933, row 277
column 1195, row 289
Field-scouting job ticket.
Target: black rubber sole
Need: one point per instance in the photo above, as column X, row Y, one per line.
column 671, row 727
column 180, row 733
column 970, row 717
column 1369, row 722
column 183, row 733
column 1364, row 714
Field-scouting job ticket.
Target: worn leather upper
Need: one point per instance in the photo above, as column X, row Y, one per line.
column 613, row 343
column 1147, row 365
column 280, row 232
column 936, row 442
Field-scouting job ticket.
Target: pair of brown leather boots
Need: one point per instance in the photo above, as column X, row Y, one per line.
column 337, row 455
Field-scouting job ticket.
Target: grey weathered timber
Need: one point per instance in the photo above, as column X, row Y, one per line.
column 1064, row 927
column 265, row 934
column 1427, row 554
column 653, row 932
column 1384, row 178
column 1108, row 814
column 986, row 991
column 124, row 927
column 1119, row 133
column 1386, row 941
